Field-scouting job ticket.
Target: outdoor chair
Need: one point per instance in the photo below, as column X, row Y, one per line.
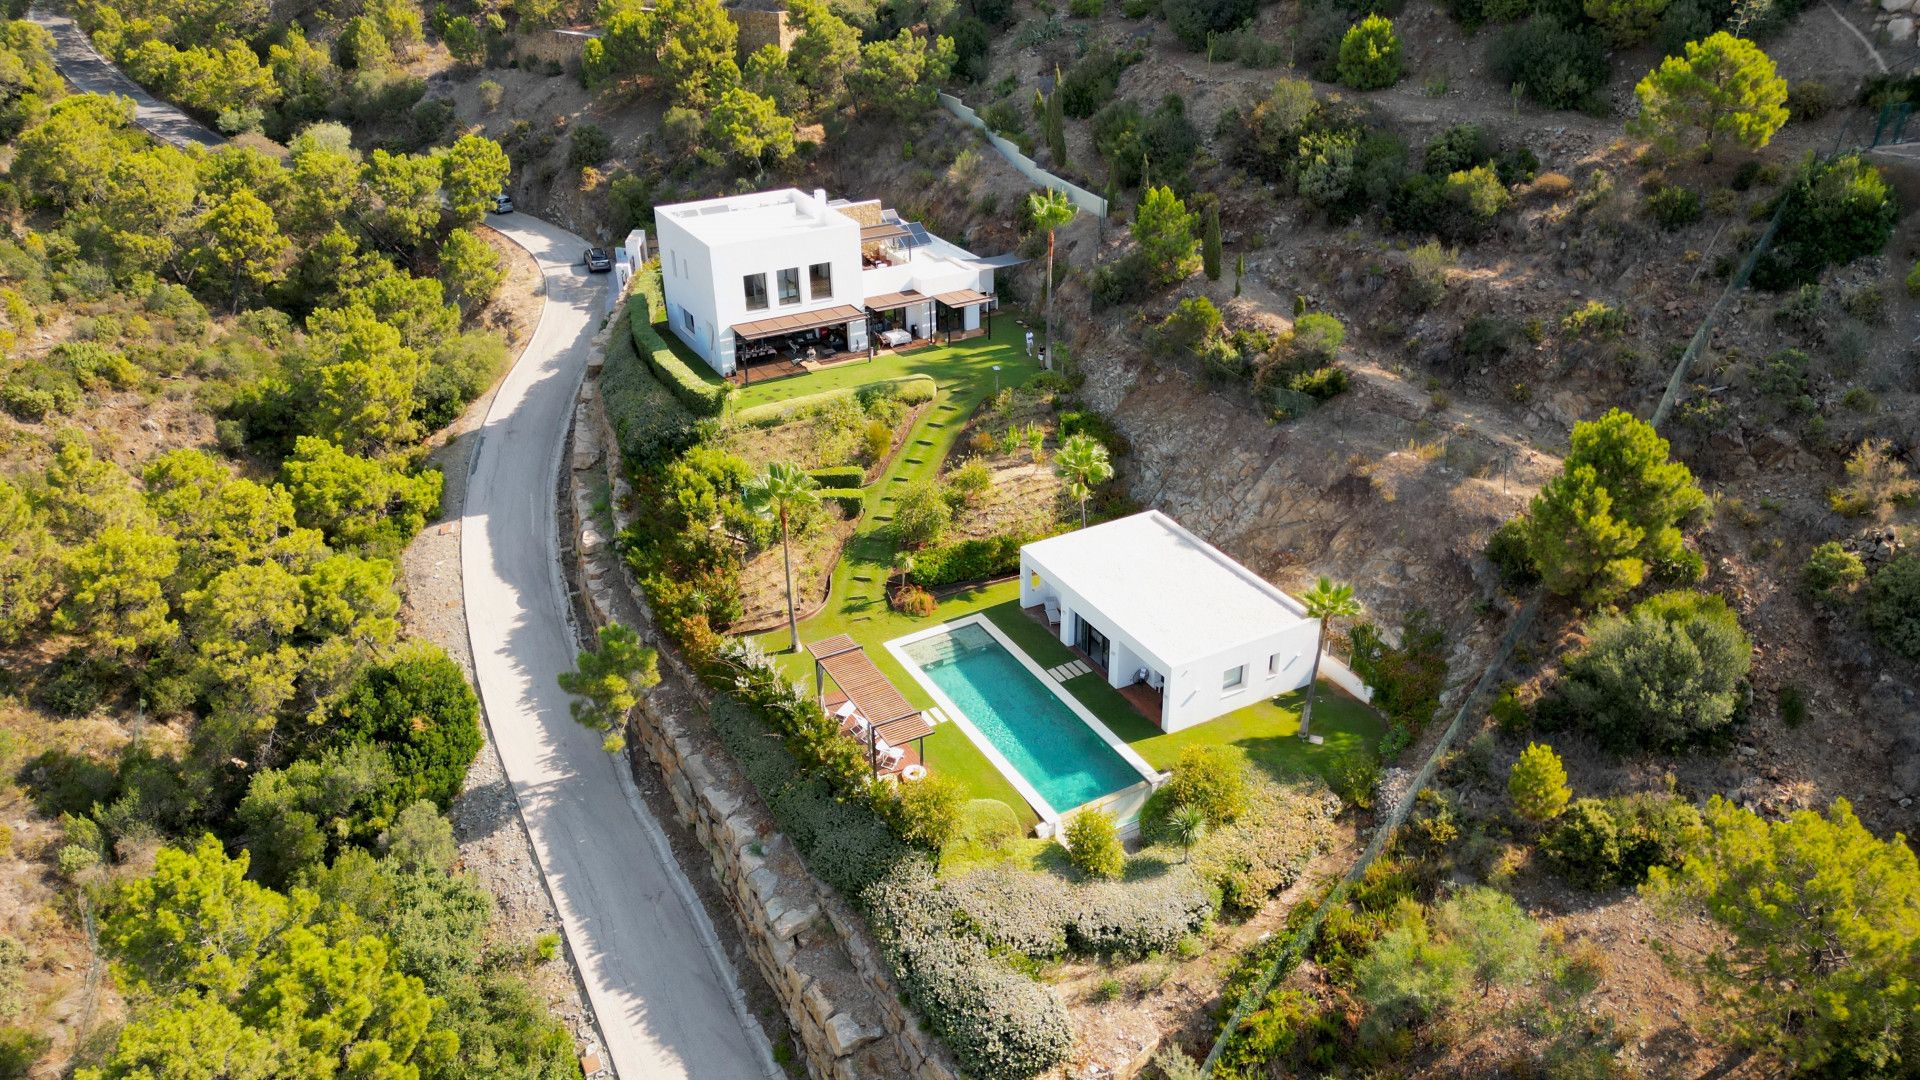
column 1052, row 607
column 891, row 757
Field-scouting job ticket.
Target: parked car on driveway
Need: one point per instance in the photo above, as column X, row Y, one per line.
column 503, row 204
column 598, row 261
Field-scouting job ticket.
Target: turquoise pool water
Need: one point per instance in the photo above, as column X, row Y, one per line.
column 1053, row 749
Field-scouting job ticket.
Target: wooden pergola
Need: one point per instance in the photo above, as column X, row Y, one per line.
column 889, row 716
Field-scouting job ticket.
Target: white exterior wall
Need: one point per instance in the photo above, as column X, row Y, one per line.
column 709, row 280
column 930, row 272
column 1192, row 692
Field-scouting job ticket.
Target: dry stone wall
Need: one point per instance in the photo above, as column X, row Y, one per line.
column 810, row 946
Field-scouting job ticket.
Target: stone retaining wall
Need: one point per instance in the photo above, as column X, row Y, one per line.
column 809, row 945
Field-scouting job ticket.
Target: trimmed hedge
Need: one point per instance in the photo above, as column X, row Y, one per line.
column 1044, row 917
column 997, row 1022
column 704, row 398
column 914, row 389
column 849, row 502
column 649, row 423
column 970, row 560
column 840, row 476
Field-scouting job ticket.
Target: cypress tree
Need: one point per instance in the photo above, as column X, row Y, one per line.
column 1210, row 242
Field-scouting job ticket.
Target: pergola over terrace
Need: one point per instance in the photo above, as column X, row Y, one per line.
column 890, row 719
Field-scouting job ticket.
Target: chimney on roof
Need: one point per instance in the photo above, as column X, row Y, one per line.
column 820, row 202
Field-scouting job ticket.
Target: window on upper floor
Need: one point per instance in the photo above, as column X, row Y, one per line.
column 790, row 285
column 756, row 292
column 820, row 281
column 1234, row 679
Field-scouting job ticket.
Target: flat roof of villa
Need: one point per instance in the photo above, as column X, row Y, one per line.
column 761, row 215
column 1177, row 595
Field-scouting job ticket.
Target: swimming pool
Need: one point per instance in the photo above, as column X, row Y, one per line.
column 1034, row 730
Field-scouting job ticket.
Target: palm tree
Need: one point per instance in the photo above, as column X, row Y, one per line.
column 1326, row 601
column 779, row 491
column 1050, row 210
column 1187, row 824
column 1082, row 460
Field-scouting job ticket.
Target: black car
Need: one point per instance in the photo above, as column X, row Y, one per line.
column 598, row 261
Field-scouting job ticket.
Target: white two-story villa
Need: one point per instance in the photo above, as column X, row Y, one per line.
column 787, row 275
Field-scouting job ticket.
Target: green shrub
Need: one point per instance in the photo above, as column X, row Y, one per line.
column 1594, row 319
column 1211, row 779
column 649, row 422
column 1507, row 551
column 1317, row 337
column 849, row 503
column 1321, row 384
column 1090, row 83
column 976, row 559
column 912, row 390
column 1832, row 570
column 418, row 707
column 1665, row 674
column 1913, row 280
column 1093, row 845
column 839, row 476
column 1601, row 844
column 1893, row 605
column 1585, row 846
column 1044, row 917
column 1626, row 22
column 1675, row 207
column 1370, row 54
column 996, row 1021
column 699, row 392
column 1194, row 21
column 1537, row 784
column 921, row 515
column 1087, row 422
column 1556, row 65
column 1837, row 211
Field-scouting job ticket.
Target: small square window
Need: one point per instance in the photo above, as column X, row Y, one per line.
column 790, row 285
column 686, row 317
column 1273, row 664
column 1235, row 678
column 756, row 291
column 820, row 281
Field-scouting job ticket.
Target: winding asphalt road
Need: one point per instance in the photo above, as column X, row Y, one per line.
column 660, row 986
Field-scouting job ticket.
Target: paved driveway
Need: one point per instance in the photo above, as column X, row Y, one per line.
column 667, row 1002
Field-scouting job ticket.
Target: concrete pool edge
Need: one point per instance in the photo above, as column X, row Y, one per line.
column 1049, row 816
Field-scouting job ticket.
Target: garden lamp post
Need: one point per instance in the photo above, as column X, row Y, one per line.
column 996, row 380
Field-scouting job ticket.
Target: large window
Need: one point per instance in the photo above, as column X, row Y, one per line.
column 1234, row 679
column 756, row 292
column 820, row 281
column 790, row 285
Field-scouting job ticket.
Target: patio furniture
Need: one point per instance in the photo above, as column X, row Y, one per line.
column 915, row 771
column 895, row 338
column 1052, row 607
column 871, row 709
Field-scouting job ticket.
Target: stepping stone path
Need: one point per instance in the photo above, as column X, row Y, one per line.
column 1070, row 670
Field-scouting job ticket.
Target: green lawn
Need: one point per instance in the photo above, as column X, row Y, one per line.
column 965, row 367
column 857, row 604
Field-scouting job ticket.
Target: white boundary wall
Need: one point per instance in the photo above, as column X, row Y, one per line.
column 1027, row 167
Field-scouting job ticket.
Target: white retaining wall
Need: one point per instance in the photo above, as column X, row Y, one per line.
column 1027, row 167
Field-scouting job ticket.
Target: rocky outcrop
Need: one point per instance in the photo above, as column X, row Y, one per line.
column 812, row 949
